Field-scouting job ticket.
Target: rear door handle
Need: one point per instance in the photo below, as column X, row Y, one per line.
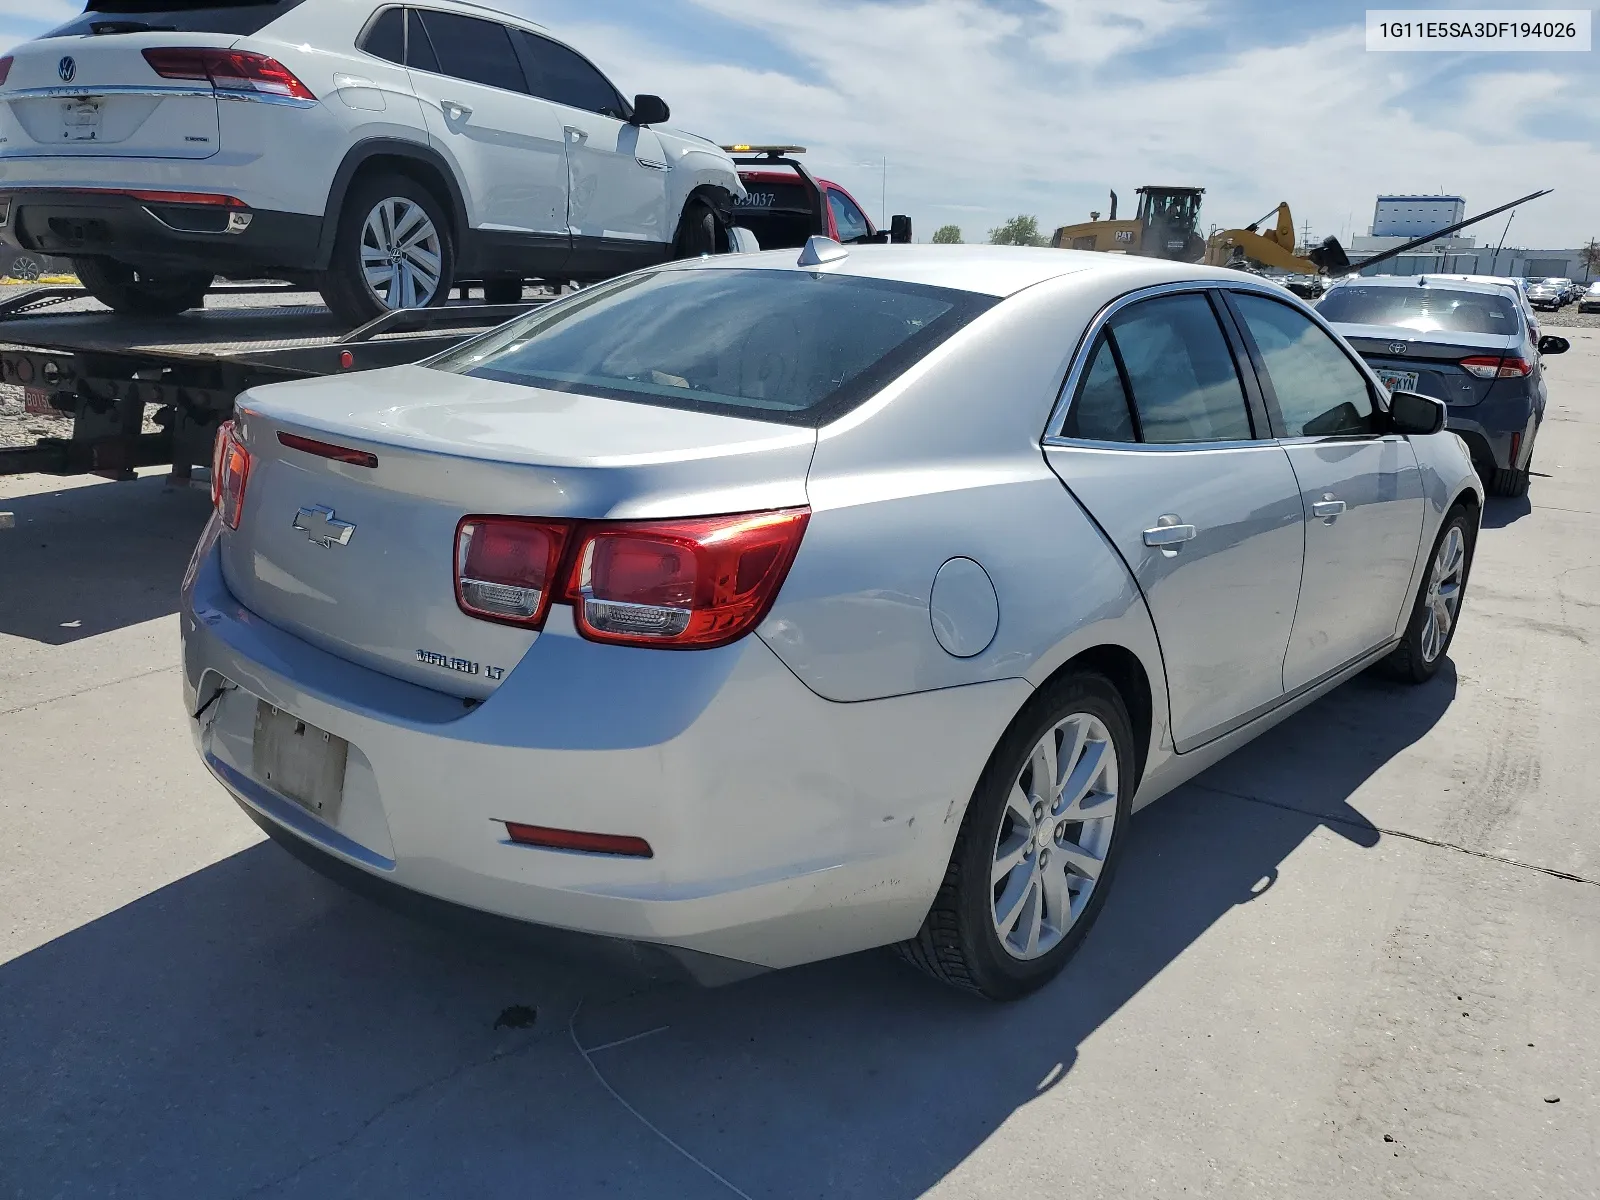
column 1168, row 535
column 455, row 111
column 1327, row 507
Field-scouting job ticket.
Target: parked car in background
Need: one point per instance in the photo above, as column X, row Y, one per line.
column 670, row 652
column 1307, row 287
column 1590, row 300
column 27, row 266
column 1546, row 295
column 1463, row 343
column 784, row 204
column 377, row 152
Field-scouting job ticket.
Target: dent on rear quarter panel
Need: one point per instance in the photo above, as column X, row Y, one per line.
column 947, row 463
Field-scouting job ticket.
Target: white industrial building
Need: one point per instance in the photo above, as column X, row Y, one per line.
column 1413, row 216
column 1400, row 219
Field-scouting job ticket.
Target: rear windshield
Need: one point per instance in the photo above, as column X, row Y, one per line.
column 786, row 346
column 241, row 18
column 1421, row 309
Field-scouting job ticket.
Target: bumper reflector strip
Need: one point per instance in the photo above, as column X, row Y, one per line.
column 570, row 839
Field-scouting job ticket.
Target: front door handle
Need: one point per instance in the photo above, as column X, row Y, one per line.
column 1168, row 535
column 1328, row 507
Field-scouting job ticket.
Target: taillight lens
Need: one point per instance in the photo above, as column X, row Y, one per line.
column 5, row 68
column 506, row 567
column 1495, row 366
column 230, row 472
column 682, row 584
column 228, row 70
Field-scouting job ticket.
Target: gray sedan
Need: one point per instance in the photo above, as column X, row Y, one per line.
column 755, row 609
column 1465, row 343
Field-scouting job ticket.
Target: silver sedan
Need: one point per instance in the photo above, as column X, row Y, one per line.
column 754, row 610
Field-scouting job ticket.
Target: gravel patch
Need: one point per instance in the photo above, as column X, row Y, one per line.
column 18, row 428
column 1569, row 318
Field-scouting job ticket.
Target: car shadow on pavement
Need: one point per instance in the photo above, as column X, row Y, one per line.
column 253, row 1030
column 1500, row 511
column 86, row 560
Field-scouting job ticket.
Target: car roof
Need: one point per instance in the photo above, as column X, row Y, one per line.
column 991, row 270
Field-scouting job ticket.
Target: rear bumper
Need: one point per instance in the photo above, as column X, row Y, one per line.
column 144, row 232
column 785, row 828
column 1495, row 430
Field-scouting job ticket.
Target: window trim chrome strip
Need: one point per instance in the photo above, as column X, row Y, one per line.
column 157, row 90
column 1080, row 361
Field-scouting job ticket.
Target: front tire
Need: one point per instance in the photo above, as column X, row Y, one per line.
column 393, row 250
column 1037, row 847
column 1437, row 610
column 125, row 289
column 698, row 230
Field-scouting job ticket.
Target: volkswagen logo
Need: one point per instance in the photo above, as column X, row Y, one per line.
column 1398, row 348
column 66, row 68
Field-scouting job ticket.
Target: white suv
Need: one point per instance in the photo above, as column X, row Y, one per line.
column 377, row 152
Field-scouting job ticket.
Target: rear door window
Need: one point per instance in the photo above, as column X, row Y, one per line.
column 564, row 76
column 104, row 17
column 385, row 36
column 474, row 50
column 1100, row 413
column 1177, row 364
column 1320, row 392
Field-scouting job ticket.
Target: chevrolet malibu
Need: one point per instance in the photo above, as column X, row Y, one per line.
column 752, row 610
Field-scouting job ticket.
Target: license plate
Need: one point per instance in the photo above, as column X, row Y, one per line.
column 80, row 120
column 37, row 402
column 300, row 761
column 1398, row 381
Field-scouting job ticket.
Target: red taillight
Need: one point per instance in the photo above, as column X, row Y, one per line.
column 228, row 70
column 5, row 68
column 230, row 471
column 506, row 567
column 571, row 839
column 686, row 584
column 683, row 584
column 1495, row 366
column 344, row 454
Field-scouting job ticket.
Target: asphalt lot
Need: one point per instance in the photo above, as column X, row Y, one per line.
column 1359, row 958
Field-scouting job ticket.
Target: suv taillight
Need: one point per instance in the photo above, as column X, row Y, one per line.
column 230, row 471
column 1495, row 366
column 682, row 584
column 228, row 70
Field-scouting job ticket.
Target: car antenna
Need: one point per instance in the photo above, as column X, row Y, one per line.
column 819, row 250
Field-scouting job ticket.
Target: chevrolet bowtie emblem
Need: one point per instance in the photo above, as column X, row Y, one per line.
column 322, row 527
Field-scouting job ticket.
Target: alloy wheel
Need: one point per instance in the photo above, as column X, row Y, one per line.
column 1444, row 592
column 401, row 254
column 1054, row 836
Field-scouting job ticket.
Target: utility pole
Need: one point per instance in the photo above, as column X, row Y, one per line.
column 1305, row 237
column 1493, row 261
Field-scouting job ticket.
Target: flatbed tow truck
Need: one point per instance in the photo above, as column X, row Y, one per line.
column 74, row 358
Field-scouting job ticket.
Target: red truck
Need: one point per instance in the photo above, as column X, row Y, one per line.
column 785, row 204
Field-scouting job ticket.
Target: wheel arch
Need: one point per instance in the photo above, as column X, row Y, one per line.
column 420, row 163
column 1126, row 672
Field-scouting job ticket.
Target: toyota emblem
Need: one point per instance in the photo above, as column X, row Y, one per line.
column 1398, row 347
column 66, row 68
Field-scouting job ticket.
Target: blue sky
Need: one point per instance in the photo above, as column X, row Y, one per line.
column 986, row 108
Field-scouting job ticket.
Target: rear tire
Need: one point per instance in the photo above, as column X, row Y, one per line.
column 1018, row 839
column 1422, row 650
column 125, row 289
column 393, row 250
column 698, row 230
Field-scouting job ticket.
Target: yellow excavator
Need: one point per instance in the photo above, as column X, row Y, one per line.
column 1167, row 223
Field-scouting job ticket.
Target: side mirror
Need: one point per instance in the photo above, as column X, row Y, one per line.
column 1550, row 344
column 900, row 228
column 1410, row 412
column 649, row 110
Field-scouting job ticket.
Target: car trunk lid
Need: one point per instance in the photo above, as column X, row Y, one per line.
column 449, row 446
column 97, row 96
column 1434, row 358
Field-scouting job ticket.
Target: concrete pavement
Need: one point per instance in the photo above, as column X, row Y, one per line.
column 1359, row 958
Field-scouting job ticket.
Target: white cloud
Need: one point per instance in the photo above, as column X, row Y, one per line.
column 997, row 112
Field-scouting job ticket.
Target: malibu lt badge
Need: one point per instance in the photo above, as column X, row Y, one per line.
column 464, row 665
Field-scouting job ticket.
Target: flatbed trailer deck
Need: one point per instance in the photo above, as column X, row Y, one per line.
column 75, row 358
